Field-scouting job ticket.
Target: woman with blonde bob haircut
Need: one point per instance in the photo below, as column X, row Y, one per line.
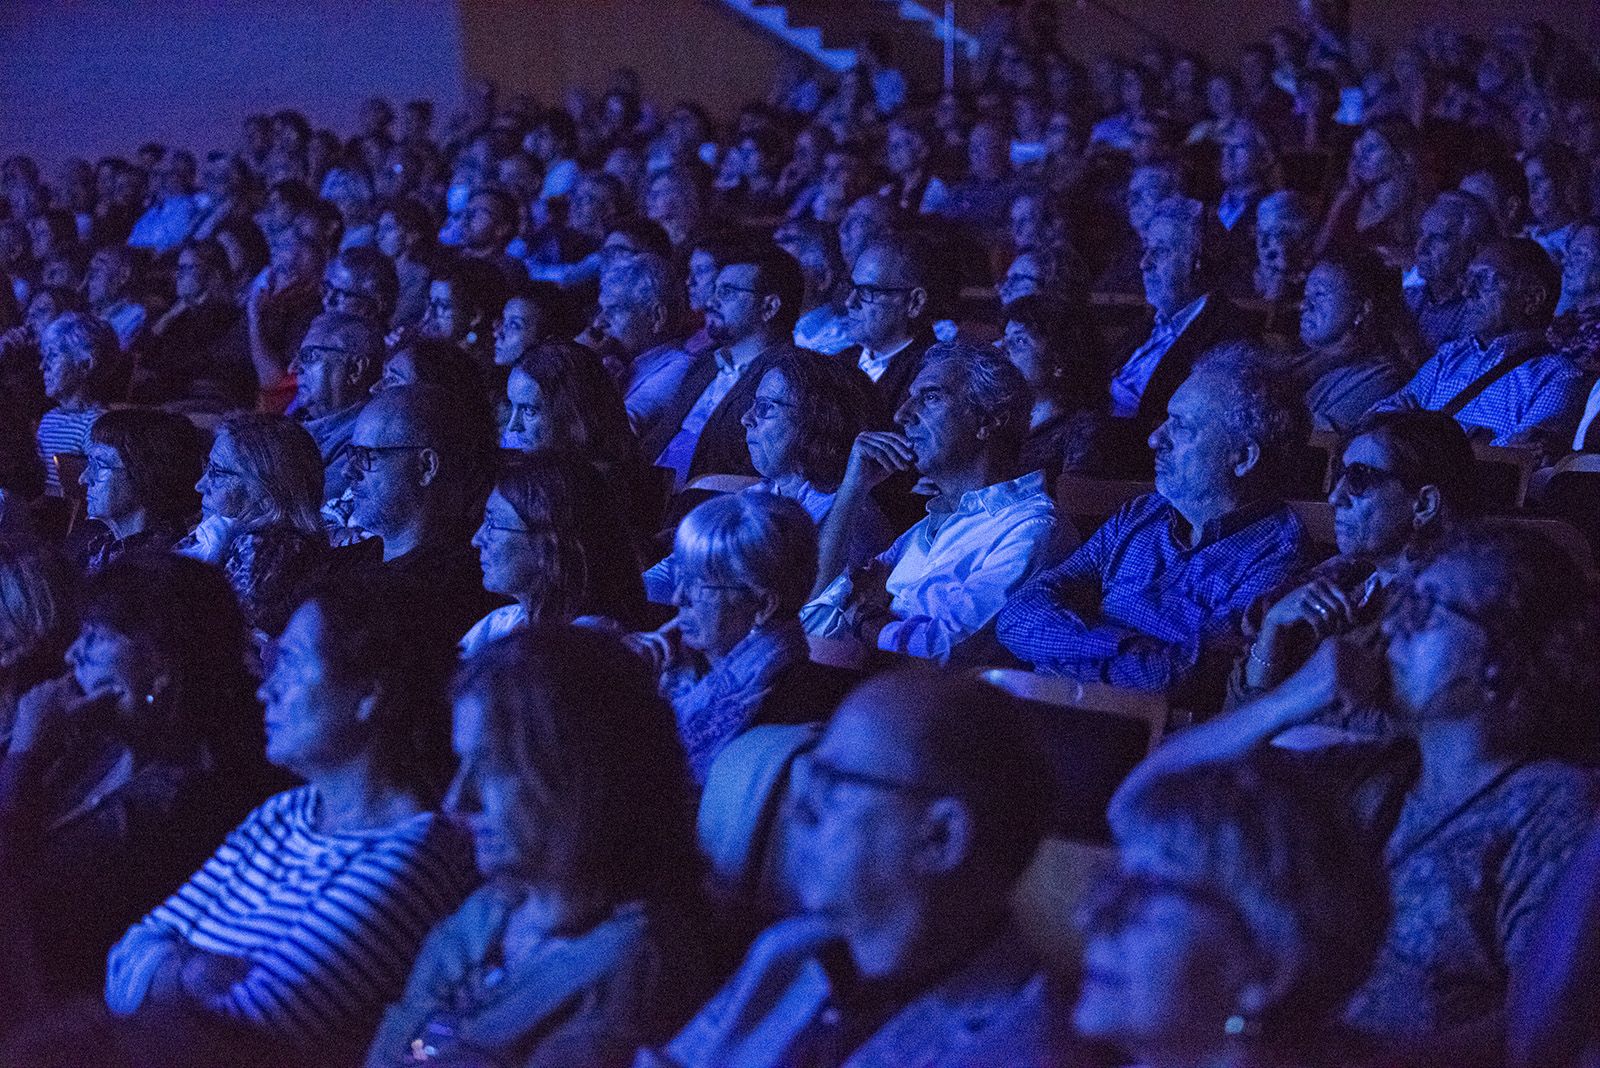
column 260, row 500
column 735, row 656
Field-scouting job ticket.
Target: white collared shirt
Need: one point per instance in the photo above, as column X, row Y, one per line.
column 873, row 364
column 952, row 572
column 1127, row 388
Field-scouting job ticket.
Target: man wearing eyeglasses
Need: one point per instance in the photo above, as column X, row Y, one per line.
column 1501, row 381
column 334, row 369
column 751, row 312
column 361, row 281
column 887, row 316
column 416, row 452
column 906, row 847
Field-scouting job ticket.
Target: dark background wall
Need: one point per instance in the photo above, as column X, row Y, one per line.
column 86, row 77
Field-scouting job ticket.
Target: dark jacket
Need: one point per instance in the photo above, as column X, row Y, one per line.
column 721, row 448
column 890, row 391
column 1220, row 320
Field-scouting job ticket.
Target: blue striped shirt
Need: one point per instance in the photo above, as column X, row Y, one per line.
column 330, row 922
column 1544, row 393
column 1136, row 606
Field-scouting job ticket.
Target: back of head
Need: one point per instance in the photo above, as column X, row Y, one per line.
column 1259, row 403
column 163, row 454
column 578, row 719
column 1311, row 900
column 970, row 741
column 437, row 361
column 281, row 458
column 38, row 619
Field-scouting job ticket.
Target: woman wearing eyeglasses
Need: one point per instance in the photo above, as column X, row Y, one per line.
column 1404, row 478
column 260, row 496
column 1237, row 922
column 139, row 484
column 1489, row 669
column 549, row 540
column 735, row 656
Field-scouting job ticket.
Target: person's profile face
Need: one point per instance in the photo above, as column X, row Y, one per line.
column 515, row 331
column 398, row 370
column 106, row 661
column 225, row 488
column 488, row 800
column 529, row 427
column 323, row 383
column 1374, row 514
column 390, row 237
column 514, row 558
column 65, row 370
column 1328, row 310
column 109, row 493
column 311, row 715
column 772, row 428
column 702, row 277
column 626, row 321
column 1196, row 456
column 1169, row 264
column 1580, row 268
column 734, row 311
column 878, row 309
column 1436, row 644
column 1024, row 278
column 1028, row 354
column 940, row 424
column 442, row 318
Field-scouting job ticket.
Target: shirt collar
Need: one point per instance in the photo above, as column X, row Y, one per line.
column 1214, row 530
column 725, row 362
column 889, row 353
column 992, row 499
column 1180, row 320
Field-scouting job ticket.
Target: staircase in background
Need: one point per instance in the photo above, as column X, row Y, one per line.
column 832, row 32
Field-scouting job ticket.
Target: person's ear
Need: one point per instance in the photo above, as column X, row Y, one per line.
column 771, row 305
column 658, row 318
column 427, row 467
column 1246, row 459
column 768, row 608
column 367, row 707
column 1364, row 313
column 916, row 301
column 359, row 369
column 1426, row 507
column 946, row 837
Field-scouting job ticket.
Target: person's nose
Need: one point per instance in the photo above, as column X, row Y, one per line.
column 83, row 477
column 462, row 796
column 748, row 419
column 906, row 414
column 1147, row 260
column 1158, row 438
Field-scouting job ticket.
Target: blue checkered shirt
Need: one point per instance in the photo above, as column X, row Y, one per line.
column 1545, row 393
column 1135, row 606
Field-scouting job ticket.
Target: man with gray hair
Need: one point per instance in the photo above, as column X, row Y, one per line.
column 1453, row 229
column 339, row 359
column 1162, row 585
column 1189, row 318
column 935, row 591
column 633, row 331
column 1286, row 225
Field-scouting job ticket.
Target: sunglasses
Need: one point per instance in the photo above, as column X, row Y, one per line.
column 1361, row 479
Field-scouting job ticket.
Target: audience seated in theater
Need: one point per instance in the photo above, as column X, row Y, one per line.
column 889, row 318
column 175, row 208
column 1377, row 207
column 181, row 359
column 1474, row 814
column 78, row 357
column 119, row 776
column 303, row 923
column 361, row 281
column 1358, row 342
column 111, row 284
column 1189, row 318
column 333, row 372
column 405, row 235
column 419, row 471
column 1503, row 383
column 21, row 357
column 824, row 322
column 750, row 316
column 279, row 309
column 987, row 531
column 259, row 494
column 1452, row 232
column 1404, row 479
column 37, row 618
column 1155, row 595
column 523, row 323
column 463, row 298
column 634, row 330
column 551, row 540
column 1285, row 226
column 139, row 484
column 734, row 656
column 799, row 429
column 1067, row 427
column 909, row 846
column 430, row 361
column 1237, row 923
column 584, row 941
column 1247, row 165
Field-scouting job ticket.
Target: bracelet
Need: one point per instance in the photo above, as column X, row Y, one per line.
column 1258, row 659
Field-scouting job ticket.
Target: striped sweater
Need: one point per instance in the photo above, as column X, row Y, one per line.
column 330, row 922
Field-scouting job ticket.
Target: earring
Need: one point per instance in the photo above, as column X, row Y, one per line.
column 1241, row 1026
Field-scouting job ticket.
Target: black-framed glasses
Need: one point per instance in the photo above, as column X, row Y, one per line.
column 94, row 466
column 1119, row 896
column 697, row 590
column 338, row 297
column 1410, row 606
column 365, row 457
column 826, row 777
column 497, row 528
column 1359, row 479
column 871, row 294
column 726, row 290
column 764, row 408
column 216, row 471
